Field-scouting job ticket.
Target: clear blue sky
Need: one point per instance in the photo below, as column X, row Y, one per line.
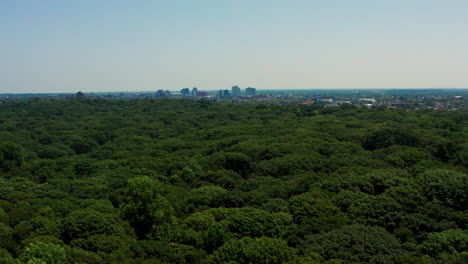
column 113, row 45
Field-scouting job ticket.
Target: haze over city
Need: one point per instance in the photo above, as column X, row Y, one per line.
column 65, row 46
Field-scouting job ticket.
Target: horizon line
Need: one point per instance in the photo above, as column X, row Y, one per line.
column 258, row 89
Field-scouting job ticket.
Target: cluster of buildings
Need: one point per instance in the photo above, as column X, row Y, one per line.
column 184, row 93
column 235, row 92
column 406, row 102
column 442, row 99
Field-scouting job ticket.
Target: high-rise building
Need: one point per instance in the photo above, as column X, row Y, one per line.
column 194, row 92
column 185, row 92
column 161, row 93
column 79, row 95
column 236, row 91
column 250, row 91
column 223, row 93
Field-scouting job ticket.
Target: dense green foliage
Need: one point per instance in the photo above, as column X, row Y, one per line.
column 180, row 181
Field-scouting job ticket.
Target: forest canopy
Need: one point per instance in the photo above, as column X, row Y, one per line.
column 185, row 181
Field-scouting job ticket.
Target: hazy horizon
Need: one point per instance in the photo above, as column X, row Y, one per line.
column 121, row 46
column 258, row 90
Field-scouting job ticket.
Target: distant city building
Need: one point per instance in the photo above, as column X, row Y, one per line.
column 250, row 91
column 371, row 100
column 79, row 95
column 236, row 91
column 161, row 93
column 194, row 92
column 223, row 93
column 185, row 92
column 308, row 102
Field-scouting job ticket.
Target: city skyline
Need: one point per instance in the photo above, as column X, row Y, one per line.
column 100, row 46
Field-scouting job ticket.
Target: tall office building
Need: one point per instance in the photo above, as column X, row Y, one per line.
column 250, row 91
column 223, row 93
column 236, row 91
column 194, row 92
column 185, row 92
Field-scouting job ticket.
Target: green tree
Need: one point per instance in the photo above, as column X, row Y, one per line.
column 248, row 221
column 446, row 186
column 263, row 250
column 6, row 237
column 11, row 155
column 43, row 253
column 145, row 207
column 237, row 162
column 207, row 196
column 449, row 241
column 6, row 257
column 199, row 221
column 355, row 244
column 314, row 214
column 86, row 223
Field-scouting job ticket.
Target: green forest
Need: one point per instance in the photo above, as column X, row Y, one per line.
column 152, row 181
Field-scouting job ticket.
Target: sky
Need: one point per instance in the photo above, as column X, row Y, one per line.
column 135, row 45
